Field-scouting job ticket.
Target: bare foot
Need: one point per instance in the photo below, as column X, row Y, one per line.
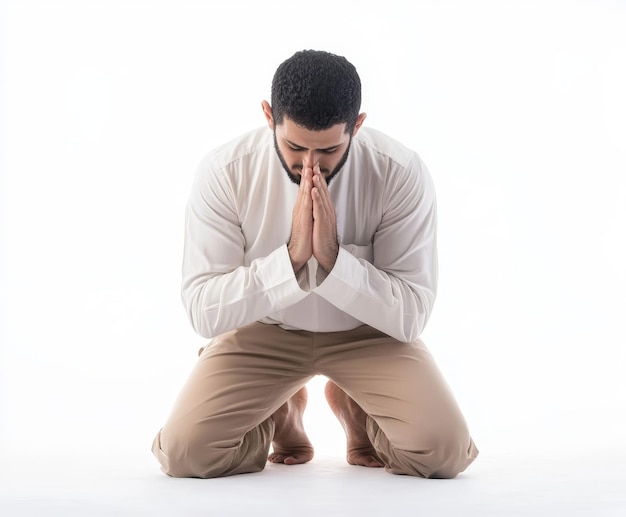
column 291, row 445
column 359, row 448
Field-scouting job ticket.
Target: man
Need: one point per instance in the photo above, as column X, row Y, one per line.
column 310, row 249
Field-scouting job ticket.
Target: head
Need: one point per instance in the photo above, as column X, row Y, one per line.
column 316, row 97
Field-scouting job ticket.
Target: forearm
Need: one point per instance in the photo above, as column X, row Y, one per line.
column 217, row 303
column 399, row 307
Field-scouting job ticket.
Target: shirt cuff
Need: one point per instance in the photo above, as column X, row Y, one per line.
column 342, row 283
column 276, row 274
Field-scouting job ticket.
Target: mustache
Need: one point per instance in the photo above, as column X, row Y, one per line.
column 298, row 167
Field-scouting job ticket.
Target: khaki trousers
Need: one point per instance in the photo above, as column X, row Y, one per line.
column 221, row 423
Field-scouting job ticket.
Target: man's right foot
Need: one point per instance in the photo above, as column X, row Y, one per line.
column 360, row 450
column 291, row 445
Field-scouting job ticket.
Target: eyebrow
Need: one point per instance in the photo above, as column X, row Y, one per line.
column 293, row 144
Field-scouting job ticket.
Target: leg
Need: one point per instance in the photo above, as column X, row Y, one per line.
column 232, row 404
column 360, row 450
column 413, row 422
column 291, row 445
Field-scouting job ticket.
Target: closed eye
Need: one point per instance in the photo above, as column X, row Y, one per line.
column 324, row 151
column 296, row 148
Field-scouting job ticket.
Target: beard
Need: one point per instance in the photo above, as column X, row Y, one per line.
column 295, row 178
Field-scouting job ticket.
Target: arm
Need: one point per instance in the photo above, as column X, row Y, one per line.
column 393, row 289
column 219, row 291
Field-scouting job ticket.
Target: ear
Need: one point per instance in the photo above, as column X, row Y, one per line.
column 267, row 112
column 359, row 123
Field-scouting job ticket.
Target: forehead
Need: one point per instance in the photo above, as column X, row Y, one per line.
column 309, row 139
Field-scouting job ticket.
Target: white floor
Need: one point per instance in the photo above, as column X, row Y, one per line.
column 497, row 484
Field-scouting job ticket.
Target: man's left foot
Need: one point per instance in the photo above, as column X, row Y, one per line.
column 291, row 445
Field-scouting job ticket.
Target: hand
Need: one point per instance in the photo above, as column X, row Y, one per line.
column 325, row 245
column 300, row 244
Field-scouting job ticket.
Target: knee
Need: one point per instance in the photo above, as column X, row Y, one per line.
column 202, row 451
column 179, row 450
column 448, row 457
column 438, row 455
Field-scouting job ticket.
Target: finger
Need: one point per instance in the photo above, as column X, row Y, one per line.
column 303, row 176
column 317, row 204
column 324, row 195
column 318, row 174
column 304, row 193
column 322, row 206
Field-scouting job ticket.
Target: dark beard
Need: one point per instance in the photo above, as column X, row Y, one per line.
column 295, row 178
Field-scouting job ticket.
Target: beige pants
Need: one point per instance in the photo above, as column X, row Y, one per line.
column 221, row 423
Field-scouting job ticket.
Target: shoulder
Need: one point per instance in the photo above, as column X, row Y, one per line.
column 397, row 166
column 243, row 150
column 379, row 146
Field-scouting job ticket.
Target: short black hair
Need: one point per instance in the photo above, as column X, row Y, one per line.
column 316, row 90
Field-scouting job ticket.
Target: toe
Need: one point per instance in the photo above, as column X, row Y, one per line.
column 373, row 462
column 276, row 458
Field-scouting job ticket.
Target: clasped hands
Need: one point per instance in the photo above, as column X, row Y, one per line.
column 314, row 223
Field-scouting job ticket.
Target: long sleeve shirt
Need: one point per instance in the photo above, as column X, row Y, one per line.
column 236, row 267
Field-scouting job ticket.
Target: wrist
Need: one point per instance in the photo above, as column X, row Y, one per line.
column 327, row 263
column 297, row 261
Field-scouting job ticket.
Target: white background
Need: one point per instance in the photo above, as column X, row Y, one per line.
column 518, row 108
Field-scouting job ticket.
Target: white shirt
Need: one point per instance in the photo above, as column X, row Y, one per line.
column 236, row 267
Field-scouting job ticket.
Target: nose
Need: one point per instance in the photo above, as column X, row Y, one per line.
column 310, row 159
